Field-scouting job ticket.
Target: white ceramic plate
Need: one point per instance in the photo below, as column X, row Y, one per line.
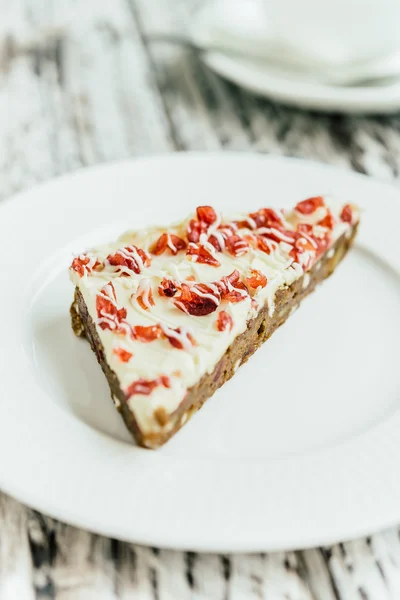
column 277, row 85
column 300, row 448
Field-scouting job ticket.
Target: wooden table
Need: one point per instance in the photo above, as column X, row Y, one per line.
column 81, row 83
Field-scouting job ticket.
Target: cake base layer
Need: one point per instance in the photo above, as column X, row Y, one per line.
column 258, row 331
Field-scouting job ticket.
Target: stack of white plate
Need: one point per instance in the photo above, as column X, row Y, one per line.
column 233, row 40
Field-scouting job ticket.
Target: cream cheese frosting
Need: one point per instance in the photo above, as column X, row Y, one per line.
column 160, row 343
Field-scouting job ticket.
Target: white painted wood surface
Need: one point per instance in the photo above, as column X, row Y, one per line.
column 80, row 83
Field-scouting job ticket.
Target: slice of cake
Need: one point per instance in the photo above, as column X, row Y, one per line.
column 171, row 313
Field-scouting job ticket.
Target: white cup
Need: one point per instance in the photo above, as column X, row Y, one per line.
column 336, row 32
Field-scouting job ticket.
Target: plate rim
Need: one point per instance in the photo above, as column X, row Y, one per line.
column 151, row 540
column 303, row 94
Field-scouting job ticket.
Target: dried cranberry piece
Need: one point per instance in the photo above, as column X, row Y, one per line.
column 186, row 294
column 144, row 295
column 146, row 334
column 194, row 230
column 278, row 234
column 307, row 247
column 123, row 354
column 247, row 223
column 179, row 338
column 234, row 277
column 78, row 265
column 238, row 294
column 219, row 238
column 141, row 386
column 266, row 245
column 256, row 280
column 307, row 207
column 141, row 303
column 206, row 214
column 224, row 321
column 202, row 255
column 198, row 300
column 197, row 306
column 146, row 386
column 202, row 299
column 110, row 316
column 265, row 217
column 306, row 243
column 131, row 257
column 167, row 288
column 169, row 242
column 231, row 288
column 165, row 381
column 347, row 214
column 237, row 246
column 327, row 221
column 304, row 260
column 85, row 264
column 305, row 228
column 323, row 243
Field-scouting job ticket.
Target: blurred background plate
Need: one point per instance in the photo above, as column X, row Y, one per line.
column 274, row 83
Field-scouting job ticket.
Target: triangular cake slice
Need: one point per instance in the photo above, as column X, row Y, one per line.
column 172, row 312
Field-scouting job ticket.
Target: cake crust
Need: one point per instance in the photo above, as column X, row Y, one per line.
column 259, row 329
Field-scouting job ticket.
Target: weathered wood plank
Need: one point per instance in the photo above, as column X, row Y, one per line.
column 317, row 575
column 188, row 89
column 91, row 91
column 365, row 144
column 15, row 555
column 83, row 567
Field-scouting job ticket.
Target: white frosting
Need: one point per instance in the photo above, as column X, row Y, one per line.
column 186, row 365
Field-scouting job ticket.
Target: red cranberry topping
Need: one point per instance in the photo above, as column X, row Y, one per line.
column 146, row 386
column 219, row 238
column 179, row 338
column 305, row 228
column 146, row 333
column 327, row 221
column 277, row 234
column 109, row 315
column 167, row 288
column 231, row 288
column 237, row 246
column 347, row 214
column 144, row 295
column 198, row 300
column 131, row 257
column 256, row 280
column 85, row 264
column 224, row 321
column 307, row 207
column 206, row 214
column 323, row 243
column 201, row 255
column 194, row 230
column 123, row 355
column 168, row 242
column 266, row 217
column 266, row 245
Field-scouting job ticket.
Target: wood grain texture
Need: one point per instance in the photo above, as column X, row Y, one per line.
column 81, row 83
